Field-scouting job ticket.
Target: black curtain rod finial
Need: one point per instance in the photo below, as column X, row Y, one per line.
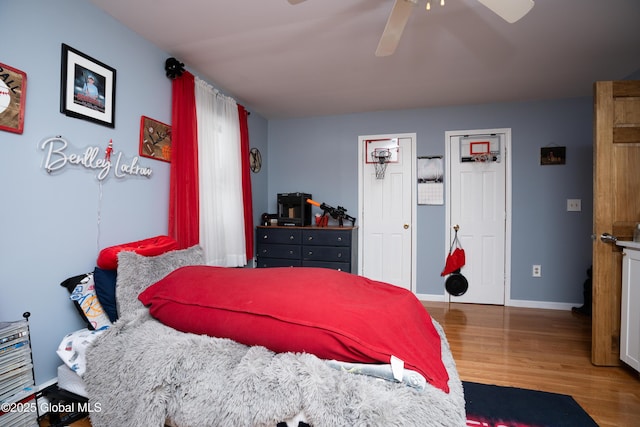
column 173, row 67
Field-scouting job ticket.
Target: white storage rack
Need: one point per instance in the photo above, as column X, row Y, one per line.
column 17, row 384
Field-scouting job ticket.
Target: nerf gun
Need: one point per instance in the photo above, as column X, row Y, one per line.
column 338, row 213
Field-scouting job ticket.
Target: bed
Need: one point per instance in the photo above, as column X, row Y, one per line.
column 195, row 345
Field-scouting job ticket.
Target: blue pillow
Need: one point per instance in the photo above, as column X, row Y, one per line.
column 105, row 283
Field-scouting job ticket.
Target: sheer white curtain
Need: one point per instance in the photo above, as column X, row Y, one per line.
column 220, row 178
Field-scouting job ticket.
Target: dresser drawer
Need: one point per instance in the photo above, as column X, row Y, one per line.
column 326, row 253
column 279, row 251
column 326, row 247
column 325, row 237
column 342, row 266
column 277, row 262
column 278, row 235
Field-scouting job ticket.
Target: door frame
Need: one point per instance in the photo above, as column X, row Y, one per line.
column 414, row 189
column 508, row 194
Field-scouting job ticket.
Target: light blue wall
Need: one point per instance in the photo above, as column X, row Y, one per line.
column 319, row 156
column 52, row 227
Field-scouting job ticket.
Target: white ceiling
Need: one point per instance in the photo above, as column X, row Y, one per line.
column 317, row 58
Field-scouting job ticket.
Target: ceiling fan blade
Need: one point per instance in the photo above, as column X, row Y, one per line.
column 509, row 10
column 395, row 25
column 295, row 1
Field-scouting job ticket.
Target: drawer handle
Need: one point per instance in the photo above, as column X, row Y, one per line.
column 290, row 252
column 340, row 255
column 310, row 253
column 264, row 251
column 310, row 238
column 265, row 236
column 339, row 239
column 291, row 237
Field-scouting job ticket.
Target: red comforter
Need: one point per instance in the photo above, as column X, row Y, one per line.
column 332, row 314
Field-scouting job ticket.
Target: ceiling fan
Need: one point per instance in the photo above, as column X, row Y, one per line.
column 509, row 10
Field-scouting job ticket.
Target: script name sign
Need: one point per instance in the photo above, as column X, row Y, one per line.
column 56, row 158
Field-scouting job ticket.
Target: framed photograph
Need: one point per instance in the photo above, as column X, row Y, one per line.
column 155, row 139
column 13, row 94
column 87, row 88
column 553, row 155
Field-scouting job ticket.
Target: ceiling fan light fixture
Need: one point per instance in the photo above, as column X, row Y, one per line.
column 509, row 10
column 441, row 2
column 428, row 5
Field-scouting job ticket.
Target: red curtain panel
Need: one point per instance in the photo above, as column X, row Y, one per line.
column 183, row 189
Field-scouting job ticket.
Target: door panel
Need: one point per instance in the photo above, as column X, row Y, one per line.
column 477, row 202
column 387, row 212
column 616, row 206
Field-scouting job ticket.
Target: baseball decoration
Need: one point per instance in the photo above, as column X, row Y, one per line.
column 13, row 93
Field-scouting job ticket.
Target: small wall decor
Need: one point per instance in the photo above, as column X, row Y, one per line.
column 13, row 94
column 155, row 139
column 255, row 160
column 57, row 159
column 430, row 180
column 553, row 155
column 87, row 88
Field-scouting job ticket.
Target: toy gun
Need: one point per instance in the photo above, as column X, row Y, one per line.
column 338, row 213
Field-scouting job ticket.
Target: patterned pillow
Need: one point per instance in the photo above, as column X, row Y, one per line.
column 85, row 299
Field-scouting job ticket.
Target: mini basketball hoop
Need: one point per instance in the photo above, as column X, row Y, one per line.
column 381, row 157
column 483, row 151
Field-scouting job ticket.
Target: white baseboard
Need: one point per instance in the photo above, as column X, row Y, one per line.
column 431, row 297
column 542, row 304
column 511, row 303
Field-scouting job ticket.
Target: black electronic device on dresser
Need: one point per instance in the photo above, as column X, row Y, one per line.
column 293, row 209
column 326, row 247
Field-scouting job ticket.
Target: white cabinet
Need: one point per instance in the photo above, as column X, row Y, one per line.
column 630, row 309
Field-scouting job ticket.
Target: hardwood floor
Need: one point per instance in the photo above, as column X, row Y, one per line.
column 548, row 350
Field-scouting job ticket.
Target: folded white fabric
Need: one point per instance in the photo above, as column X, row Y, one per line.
column 73, row 346
column 385, row 372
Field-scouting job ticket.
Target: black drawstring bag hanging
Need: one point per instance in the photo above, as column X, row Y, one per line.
column 456, row 284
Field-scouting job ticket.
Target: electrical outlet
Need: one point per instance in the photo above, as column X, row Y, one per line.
column 537, row 271
column 574, row 205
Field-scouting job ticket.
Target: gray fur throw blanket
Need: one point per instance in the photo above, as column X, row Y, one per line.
column 143, row 373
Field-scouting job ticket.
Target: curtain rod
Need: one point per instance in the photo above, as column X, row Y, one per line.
column 175, row 68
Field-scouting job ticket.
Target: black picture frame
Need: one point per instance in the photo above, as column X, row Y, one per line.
column 553, row 155
column 82, row 98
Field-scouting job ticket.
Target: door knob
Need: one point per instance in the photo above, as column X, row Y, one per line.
column 406, row 226
column 608, row 238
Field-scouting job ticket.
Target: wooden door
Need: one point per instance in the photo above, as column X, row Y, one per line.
column 616, row 206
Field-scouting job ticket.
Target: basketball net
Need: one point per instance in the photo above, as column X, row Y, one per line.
column 381, row 157
column 482, row 158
